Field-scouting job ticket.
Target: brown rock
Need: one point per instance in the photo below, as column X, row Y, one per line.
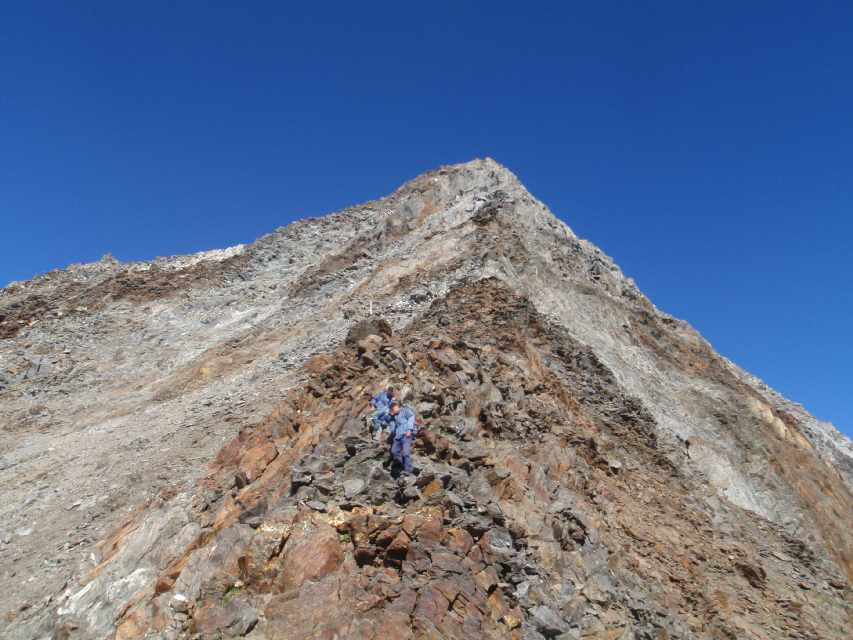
column 446, row 561
column 447, row 357
column 312, row 551
column 305, row 617
column 418, row 559
column 486, row 579
column 365, row 555
column 459, row 541
column 399, row 546
column 384, row 537
column 256, row 459
column 513, row 618
column 370, row 326
column 369, row 344
column 425, row 524
column 262, row 561
column 163, row 584
column 231, row 618
column 394, row 624
column 368, row 350
column 497, row 605
column 754, row 574
column 449, row 588
column 431, row 605
column 432, row 488
column 405, row 603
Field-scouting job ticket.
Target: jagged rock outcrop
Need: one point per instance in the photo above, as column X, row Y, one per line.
column 590, row 468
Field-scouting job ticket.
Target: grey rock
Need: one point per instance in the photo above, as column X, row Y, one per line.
column 454, row 499
column 419, row 295
column 549, row 623
column 499, row 542
column 179, row 603
column 370, row 326
column 353, row 487
column 300, row 477
column 244, row 620
column 426, row 409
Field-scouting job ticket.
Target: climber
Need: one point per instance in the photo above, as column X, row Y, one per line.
column 381, row 419
column 404, row 428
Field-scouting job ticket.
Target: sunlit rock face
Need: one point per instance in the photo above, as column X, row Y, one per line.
column 185, row 453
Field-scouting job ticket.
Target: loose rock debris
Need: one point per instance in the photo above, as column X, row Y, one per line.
column 521, row 529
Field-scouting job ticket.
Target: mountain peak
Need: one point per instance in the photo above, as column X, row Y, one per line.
column 191, row 454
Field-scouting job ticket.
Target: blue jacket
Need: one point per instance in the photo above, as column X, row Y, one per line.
column 381, row 402
column 404, row 422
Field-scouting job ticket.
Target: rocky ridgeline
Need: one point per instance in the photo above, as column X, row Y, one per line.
column 590, row 467
column 546, row 506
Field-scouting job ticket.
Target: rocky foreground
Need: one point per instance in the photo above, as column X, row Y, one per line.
column 185, row 453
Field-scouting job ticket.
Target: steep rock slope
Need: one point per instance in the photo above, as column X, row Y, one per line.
column 122, row 380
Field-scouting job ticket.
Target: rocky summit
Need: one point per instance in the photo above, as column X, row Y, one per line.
column 185, row 453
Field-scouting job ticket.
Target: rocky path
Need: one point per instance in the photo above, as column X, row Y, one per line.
column 546, row 506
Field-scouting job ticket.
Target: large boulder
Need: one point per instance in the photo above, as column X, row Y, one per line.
column 373, row 325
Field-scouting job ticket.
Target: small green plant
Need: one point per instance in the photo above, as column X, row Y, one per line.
column 232, row 591
column 345, row 538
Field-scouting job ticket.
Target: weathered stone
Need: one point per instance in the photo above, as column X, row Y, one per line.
column 256, row 459
column 312, row 551
column 261, row 562
column 399, row 546
column 431, row 605
column 232, row 619
column 755, row 575
column 498, row 607
column 425, row 524
column 487, row 579
column 371, row 326
column 427, row 409
column 365, row 555
column 459, row 540
column 180, row 603
column 548, row 622
column 298, row 478
column 497, row 541
column 386, row 535
column 432, row 488
column 444, row 561
column 316, row 505
column 353, row 487
column 369, row 344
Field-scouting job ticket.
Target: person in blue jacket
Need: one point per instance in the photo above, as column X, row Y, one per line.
column 381, row 419
column 404, row 429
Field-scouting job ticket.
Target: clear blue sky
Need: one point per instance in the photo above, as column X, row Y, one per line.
column 708, row 147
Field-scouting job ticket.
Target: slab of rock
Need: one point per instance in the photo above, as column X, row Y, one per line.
column 370, row 326
column 312, row 551
column 353, row 487
column 548, row 622
column 256, row 459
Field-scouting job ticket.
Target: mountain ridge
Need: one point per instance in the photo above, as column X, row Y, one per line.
column 250, row 321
